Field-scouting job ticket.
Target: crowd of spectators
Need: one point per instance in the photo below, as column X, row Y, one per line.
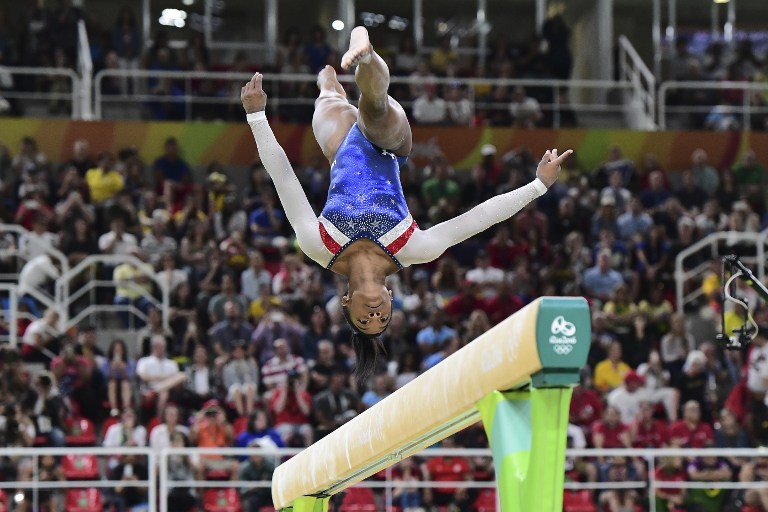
column 256, row 349
column 720, row 109
column 46, row 36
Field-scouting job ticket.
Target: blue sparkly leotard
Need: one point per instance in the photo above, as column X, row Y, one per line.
column 365, row 199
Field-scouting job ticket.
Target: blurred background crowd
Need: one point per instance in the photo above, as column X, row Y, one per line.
column 257, row 350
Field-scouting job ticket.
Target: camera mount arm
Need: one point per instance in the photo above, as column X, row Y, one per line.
column 746, row 333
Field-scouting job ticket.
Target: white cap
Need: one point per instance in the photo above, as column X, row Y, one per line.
column 488, row 149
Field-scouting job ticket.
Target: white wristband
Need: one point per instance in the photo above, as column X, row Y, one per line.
column 255, row 117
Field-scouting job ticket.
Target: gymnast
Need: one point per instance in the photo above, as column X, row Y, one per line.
column 365, row 231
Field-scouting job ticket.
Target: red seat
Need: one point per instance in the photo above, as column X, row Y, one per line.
column 3, row 501
column 240, row 425
column 485, row 501
column 80, row 467
column 80, row 432
column 221, row 500
column 578, row 501
column 83, row 500
column 358, row 499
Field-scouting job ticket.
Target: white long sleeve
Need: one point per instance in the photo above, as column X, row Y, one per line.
column 292, row 196
column 428, row 245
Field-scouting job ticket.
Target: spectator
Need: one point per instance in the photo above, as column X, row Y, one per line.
column 291, row 406
column 133, row 287
column 628, row 398
column 708, row 469
column 277, row 371
column 157, row 244
column 656, row 194
column 648, row 432
column 46, row 410
column 633, row 222
column 119, row 369
column 704, row 175
column 39, row 241
column 36, row 276
column 446, row 469
column 675, row 345
column 690, row 195
column 266, row 221
column 486, row 276
column 128, row 432
column 600, row 280
column 169, row 276
column 257, row 469
column 130, row 469
column 525, row 110
column 80, row 243
column 440, row 187
column 670, row 469
column 749, row 173
column 212, row 430
column 104, row 182
column 317, row 49
column 729, row 434
column 116, row 240
column 158, row 375
column 657, row 382
column 255, row 276
column 240, row 377
column 275, row 324
column 231, row 328
column 458, row 107
column 756, row 472
column 126, row 42
column 378, row 392
column 173, row 177
column 336, row 405
column 611, row 372
column 691, row 432
column 429, row 108
column 201, row 381
column 436, row 336
column 162, row 435
column 153, row 328
column 41, row 340
column 181, row 469
column 258, row 428
column 616, row 190
column 228, row 293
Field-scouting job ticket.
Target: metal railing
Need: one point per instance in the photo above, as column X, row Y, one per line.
column 91, row 264
column 85, row 66
column 35, row 485
column 711, row 245
column 73, row 96
column 641, row 107
column 745, row 110
column 187, row 98
column 159, row 481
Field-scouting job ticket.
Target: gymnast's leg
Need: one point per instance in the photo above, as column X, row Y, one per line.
column 334, row 115
column 381, row 119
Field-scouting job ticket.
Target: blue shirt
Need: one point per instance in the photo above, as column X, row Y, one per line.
column 631, row 225
column 599, row 283
column 173, row 170
column 261, row 218
column 429, row 336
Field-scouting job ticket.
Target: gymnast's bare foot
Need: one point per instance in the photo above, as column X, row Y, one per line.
column 360, row 49
column 326, row 79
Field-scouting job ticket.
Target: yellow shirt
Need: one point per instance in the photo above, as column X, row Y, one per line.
column 258, row 308
column 128, row 272
column 103, row 185
column 608, row 377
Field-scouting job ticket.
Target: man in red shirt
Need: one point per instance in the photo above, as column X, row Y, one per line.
column 447, row 469
column 648, row 432
column 291, row 405
column 691, row 432
column 586, row 404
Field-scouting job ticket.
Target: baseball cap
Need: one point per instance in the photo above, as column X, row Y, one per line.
column 633, row 376
column 488, row 149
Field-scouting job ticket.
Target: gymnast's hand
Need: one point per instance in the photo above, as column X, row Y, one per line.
column 253, row 96
column 549, row 167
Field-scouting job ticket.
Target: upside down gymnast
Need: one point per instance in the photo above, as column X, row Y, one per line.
column 365, row 231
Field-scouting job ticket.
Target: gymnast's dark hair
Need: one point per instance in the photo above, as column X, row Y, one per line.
column 367, row 347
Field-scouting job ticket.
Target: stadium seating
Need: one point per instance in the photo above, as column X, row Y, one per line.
column 83, row 500
column 80, row 467
column 221, row 500
column 485, row 501
column 80, row 432
column 358, row 499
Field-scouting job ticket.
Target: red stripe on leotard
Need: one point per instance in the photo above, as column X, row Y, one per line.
column 330, row 244
column 402, row 239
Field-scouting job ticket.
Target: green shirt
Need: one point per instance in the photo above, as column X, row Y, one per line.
column 433, row 190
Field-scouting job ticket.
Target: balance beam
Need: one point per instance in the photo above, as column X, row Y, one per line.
column 543, row 345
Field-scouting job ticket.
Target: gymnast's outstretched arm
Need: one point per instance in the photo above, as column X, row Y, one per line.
column 428, row 245
column 292, row 196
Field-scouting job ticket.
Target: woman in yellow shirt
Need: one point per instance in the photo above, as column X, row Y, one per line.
column 104, row 182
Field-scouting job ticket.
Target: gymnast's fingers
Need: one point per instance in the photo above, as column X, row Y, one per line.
column 546, row 158
column 562, row 157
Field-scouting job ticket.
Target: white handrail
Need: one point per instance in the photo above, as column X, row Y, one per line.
column 44, row 71
column 100, row 98
column 632, row 68
column 708, row 84
column 62, row 284
column 85, row 63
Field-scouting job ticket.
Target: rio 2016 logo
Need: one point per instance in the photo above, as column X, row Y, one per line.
column 563, row 335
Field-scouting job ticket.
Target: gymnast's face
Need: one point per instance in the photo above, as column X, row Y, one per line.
column 370, row 308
